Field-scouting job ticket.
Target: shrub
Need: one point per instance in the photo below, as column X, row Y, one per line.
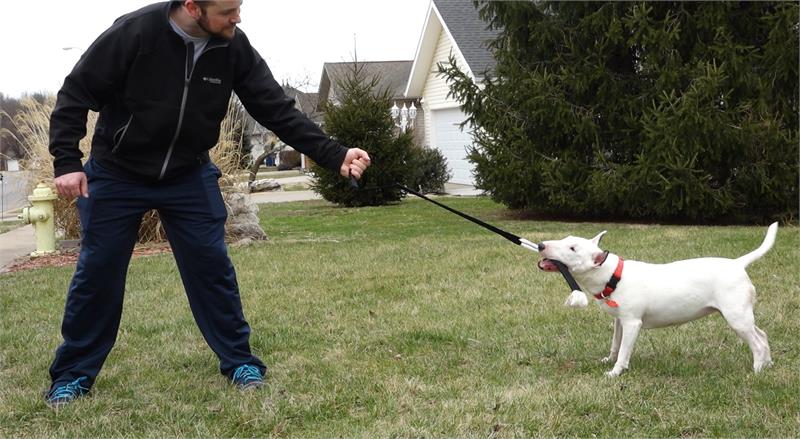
column 429, row 170
column 680, row 111
column 362, row 120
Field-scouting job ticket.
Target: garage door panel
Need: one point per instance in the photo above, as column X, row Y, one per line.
column 453, row 143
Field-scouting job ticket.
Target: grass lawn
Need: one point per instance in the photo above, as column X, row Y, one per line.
column 9, row 225
column 409, row 321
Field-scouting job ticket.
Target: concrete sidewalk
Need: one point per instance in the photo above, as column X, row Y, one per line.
column 15, row 244
column 22, row 241
column 451, row 189
column 283, row 197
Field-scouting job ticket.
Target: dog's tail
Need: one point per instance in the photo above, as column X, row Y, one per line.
column 763, row 249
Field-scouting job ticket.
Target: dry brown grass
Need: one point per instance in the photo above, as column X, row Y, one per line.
column 227, row 153
column 33, row 123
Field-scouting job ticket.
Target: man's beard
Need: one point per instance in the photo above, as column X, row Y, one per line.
column 203, row 23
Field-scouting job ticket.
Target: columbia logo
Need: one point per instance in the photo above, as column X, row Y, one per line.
column 216, row 81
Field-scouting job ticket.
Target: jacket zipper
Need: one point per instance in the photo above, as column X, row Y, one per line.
column 189, row 70
column 124, row 130
column 187, row 78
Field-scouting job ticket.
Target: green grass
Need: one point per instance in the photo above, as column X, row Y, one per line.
column 9, row 225
column 409, row 321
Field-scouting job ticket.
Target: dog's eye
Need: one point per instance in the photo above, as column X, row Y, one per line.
column 572, row 248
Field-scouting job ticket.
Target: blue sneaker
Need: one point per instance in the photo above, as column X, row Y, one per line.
column 247, row 376
column 66, row 393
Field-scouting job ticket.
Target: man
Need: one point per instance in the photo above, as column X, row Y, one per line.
column 161, row 78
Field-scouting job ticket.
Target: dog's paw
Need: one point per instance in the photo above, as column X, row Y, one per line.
column 615, row 372
column 757, row 368
column 607, row 360
column 577, row 299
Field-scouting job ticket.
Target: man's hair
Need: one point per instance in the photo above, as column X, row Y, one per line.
column 202, row 4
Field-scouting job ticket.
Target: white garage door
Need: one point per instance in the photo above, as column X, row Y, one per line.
column 453, row 142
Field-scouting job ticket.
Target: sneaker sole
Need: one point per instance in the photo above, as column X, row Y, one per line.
column 251, row 386
column 55, row 405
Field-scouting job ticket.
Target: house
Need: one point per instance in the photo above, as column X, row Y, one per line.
column 307, row 103
column 393, row 76
column 260, row 136
column 8, row 164
column 451, row 27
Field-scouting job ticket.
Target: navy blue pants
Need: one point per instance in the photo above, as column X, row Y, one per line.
column 193, row 214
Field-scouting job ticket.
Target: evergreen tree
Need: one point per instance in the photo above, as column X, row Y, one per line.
column 362, row 120
column 664, row 110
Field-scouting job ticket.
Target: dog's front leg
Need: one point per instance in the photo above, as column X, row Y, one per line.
column 630, row 331
column 615, row 341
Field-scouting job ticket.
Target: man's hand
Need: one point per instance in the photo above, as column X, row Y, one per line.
column 72, row 185
column 355, row 163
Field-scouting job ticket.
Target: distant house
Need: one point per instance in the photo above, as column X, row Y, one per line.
column 8, row 164
column 393, row 76
column 308, row 104
column 451, row 27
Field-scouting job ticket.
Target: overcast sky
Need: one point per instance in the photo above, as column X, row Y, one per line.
column 295, row 36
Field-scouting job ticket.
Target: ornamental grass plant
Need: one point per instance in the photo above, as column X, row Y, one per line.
column 33, row 124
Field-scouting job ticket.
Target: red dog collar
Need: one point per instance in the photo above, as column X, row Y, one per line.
column 612, row 284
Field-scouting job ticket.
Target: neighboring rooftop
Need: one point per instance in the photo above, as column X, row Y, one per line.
column 393, row 76
column 460, row 22
column 305, row 102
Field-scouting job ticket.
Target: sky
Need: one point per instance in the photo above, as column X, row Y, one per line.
column 295, row 37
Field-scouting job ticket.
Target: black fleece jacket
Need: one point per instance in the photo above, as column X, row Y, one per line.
column 160, row 112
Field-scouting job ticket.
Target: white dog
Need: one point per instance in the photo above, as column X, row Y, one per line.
column 641, row 295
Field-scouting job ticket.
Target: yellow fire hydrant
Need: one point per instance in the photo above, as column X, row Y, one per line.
column 40, row 214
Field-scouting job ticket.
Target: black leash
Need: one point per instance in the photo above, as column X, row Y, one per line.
column 509, row 236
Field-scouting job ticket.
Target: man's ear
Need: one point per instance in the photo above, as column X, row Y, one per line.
column 192, row 8
column 596, row 239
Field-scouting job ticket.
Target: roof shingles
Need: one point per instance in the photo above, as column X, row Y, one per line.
column 393, row 74
column 469, row 32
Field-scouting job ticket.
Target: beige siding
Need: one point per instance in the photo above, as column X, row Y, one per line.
column 434, row 94
column 427, row 118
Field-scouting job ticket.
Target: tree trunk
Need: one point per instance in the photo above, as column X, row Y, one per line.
column 272, row 147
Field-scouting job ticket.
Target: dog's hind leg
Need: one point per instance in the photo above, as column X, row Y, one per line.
column 743, row 323
column 615, row 341
column 768, row 356
column 630, row 331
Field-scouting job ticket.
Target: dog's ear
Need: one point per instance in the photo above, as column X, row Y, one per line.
column 599, row 258
column 596, row 239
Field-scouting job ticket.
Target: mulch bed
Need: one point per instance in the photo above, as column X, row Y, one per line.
column 70, row 257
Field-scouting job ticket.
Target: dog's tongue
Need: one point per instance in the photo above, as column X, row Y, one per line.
column 547, row 265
